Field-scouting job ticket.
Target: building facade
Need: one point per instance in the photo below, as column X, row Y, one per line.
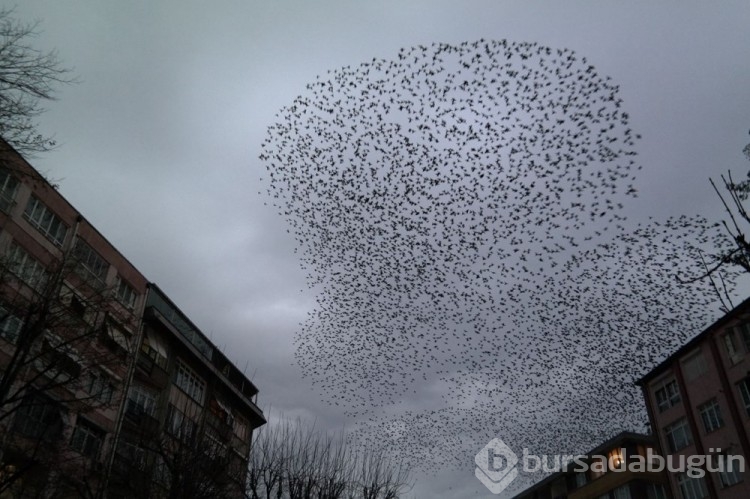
column 698, row 403
column 189, row 416
column 101, row 375
column 607, row 474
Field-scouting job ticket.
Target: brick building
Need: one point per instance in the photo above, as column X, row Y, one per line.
column 94, row 359
column 698, row 402
column 605, row 480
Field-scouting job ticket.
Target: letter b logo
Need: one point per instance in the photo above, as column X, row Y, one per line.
column 496, row 466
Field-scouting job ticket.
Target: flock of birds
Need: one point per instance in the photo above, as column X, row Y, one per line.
column 461, row 213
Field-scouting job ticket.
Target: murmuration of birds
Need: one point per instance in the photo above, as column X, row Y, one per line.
column 462, row 215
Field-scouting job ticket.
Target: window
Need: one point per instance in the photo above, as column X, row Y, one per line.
column 694, row 366
column 8, row 188
column 240, row 429
column 114, row 336
column 58, row 360
column 744, row 388
column 134, row 454
column 614, row 458
column 10, row 325
column 189, row 382
column 100, row 387
column 580, row 479
column 691, row 488
column 667, row 394
column 87, row 439
column 38, row 416
column 45, row 221
column 26, row 267
column 162, row 475
column 711, row 416
column 656, row 491
column 598, row 467
column 125, row 294
column 744, row 332
column 141, row 401
column 179, row 425
column 213, row 446
column 730, row 343
column 678, row 435
column 90, row 262
column 77, row 306
column 153, row 348
column 221, row 414
column 729, row 474
column 622, row 492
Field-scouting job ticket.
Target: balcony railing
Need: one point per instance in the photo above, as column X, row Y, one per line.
column 181, row 323
column 138, row 415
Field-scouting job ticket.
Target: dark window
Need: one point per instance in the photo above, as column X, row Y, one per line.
column 678, row 435
column 87, row 439
column 8, row 188
column 667, row 394
column 38, row 416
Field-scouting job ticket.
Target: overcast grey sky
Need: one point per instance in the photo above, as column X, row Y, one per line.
column 159, row 143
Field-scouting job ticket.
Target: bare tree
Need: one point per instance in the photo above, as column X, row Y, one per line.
column 734, row 250
column 291, row 460
column 59, row 344
column 27, row 78
column 183, row 459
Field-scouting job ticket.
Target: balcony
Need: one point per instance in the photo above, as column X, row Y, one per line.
column 140, row 418
column 150, row 371
column 161, row 309
column 222, row 428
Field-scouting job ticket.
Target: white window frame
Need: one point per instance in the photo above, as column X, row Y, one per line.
column 27, row 268
column 125, row 294
column 100, row 387
column 691, row 488
column 744, row 333
column 10, row 325
column 728, row 477
column 711, row 415
column 8, row 189
column 240, row 428
column 677, row 429
column 744, row 388
column 189, row 382
column 694, row 366
column 91, row 261
column 87, row 439
column 730, row 344
column 45, row 221
column 180, row 425
column 667, row 394
column 143, row 399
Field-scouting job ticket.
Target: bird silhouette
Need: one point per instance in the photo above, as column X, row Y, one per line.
column 461, row 212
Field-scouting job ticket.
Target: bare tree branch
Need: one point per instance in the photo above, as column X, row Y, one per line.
column 28, row 77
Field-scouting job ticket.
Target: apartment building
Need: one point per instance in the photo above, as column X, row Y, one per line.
column 102, row 377
column 698, row 402
column 189, row 416
column 70, row 308
column 607, row 474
